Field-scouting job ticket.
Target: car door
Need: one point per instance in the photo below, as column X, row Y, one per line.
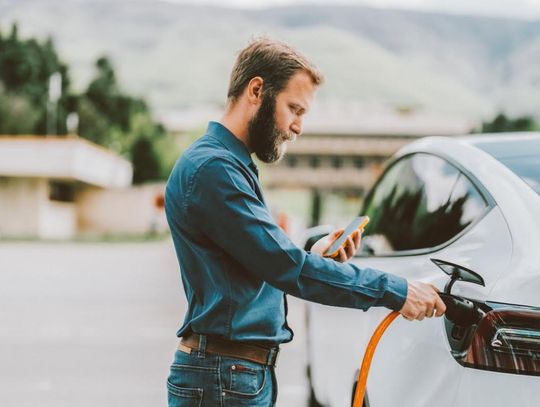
column 422, row 207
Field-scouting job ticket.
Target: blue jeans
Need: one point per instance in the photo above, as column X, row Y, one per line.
column 198, row 379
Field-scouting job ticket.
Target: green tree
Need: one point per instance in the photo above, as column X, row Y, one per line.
column 92, row 124
column 501, row 123
column 145, row 161
column 106, row 96
column 107, row 116
column 17, row 115
column 25, row 69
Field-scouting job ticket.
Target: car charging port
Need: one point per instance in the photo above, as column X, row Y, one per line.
column 461, row 311
column 462, row 315
column 460, row 320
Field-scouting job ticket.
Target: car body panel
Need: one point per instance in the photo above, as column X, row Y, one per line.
column 340, row 364
column 517, row 201
column 413, row 365
column 485, row 388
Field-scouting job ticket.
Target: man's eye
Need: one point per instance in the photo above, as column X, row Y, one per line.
column 295, row 109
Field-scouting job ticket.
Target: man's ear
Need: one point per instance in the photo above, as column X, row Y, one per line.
column 255, row 90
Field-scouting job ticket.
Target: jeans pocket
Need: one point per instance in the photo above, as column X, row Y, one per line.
column 184, row 396
column 187, row 381
column 244, row 379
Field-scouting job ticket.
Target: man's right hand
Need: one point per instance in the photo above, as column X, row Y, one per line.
column 422, row 302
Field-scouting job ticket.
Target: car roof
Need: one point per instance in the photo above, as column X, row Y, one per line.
column 506, row 145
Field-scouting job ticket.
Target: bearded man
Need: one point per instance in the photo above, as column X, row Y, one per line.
column 236, row 263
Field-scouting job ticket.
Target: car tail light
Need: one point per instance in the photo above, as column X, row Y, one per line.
column 506, row 340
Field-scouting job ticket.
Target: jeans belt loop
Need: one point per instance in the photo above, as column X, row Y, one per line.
column 202, row 346
column 272, row 357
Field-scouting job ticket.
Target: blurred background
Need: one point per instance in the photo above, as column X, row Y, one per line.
column 99, row 98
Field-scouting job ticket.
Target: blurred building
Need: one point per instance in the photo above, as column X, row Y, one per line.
column 135, row 210
column 343, row 147
column 45, row 183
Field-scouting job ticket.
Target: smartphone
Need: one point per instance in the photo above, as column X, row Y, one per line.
column 357, row 223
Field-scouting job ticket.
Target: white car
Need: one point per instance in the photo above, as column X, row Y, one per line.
column 474, row 202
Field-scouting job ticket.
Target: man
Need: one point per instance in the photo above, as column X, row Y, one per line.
column 235, row 261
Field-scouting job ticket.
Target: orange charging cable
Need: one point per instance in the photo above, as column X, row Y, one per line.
column 368, row 356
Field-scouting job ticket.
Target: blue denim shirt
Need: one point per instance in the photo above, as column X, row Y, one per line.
column 236, row 263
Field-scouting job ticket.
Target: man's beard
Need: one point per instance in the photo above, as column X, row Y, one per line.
column 266, row 141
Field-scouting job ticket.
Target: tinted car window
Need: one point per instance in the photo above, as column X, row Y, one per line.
column 466, row 197
column 420, row 202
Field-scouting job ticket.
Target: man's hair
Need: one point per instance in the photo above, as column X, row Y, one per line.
column 272, row 60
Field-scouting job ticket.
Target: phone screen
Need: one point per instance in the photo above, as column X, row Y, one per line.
column 357, row 223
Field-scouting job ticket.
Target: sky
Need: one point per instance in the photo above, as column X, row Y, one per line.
column 528, row 9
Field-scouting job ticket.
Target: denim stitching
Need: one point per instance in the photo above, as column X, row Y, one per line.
column 220, row 386
column 189, row 392
column 192, row 367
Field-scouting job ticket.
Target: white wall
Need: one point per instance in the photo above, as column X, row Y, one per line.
column 121, row 211
column 27, row 212
column 57, row 220
column 20, row 201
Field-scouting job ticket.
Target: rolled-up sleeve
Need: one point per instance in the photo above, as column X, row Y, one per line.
column 224, row 206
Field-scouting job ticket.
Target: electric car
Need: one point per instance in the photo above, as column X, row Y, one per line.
column 463, row 214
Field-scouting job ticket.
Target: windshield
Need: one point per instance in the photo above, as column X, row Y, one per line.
column 528, row 168
column 520, row 153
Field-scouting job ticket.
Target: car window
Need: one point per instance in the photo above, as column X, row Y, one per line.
column 526, row 167
column 470, row 202
column 519, row 153
column 420, row 202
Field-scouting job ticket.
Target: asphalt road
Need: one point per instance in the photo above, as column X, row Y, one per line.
column 94, row 325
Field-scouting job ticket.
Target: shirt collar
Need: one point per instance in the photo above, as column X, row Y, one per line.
column 228, row 139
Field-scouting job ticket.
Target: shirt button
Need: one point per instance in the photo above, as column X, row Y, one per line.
column 233, row 367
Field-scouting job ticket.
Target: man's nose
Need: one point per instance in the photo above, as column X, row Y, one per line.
column 296, row 126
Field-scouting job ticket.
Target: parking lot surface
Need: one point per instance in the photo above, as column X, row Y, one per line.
column 93, row 324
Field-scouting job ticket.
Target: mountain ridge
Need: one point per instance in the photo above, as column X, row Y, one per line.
column 180, row 55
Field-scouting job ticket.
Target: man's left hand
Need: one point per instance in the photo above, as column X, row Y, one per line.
column 352, row 244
